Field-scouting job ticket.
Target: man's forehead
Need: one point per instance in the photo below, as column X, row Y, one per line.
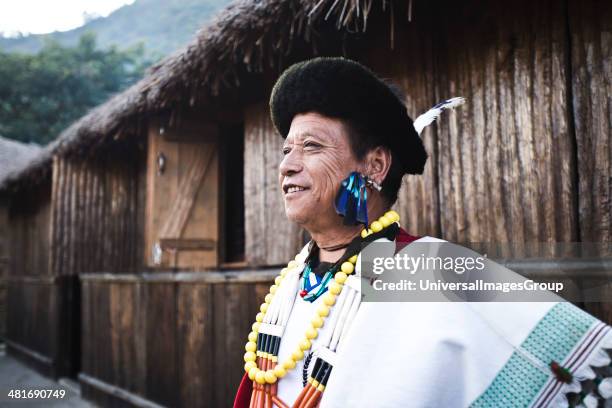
column 316, row 126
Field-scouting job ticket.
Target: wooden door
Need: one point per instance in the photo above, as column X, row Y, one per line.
column 182, row 214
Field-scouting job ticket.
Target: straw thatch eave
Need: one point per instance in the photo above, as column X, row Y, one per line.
column 248, row 36
column 36, row 168
column 15, row 156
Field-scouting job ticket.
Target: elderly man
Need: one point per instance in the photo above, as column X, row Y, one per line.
column 348, row 143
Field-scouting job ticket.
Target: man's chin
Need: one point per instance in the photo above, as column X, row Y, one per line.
column 294, row 215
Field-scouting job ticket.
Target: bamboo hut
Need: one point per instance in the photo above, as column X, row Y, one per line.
column 164, row 200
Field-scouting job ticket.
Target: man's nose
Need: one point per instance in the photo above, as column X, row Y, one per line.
column 291, row 163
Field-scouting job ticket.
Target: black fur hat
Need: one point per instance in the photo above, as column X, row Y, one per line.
column 344, row 89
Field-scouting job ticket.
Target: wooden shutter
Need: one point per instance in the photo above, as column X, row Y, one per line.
column 182, row 197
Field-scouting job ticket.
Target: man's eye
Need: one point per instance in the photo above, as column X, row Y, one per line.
column 286, row 151
column 311, row 145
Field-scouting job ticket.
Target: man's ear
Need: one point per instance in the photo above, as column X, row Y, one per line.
column 378, row 162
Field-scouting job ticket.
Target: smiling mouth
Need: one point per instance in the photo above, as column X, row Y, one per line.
column 294, row 189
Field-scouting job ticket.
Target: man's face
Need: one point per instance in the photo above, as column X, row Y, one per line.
column 317, row 157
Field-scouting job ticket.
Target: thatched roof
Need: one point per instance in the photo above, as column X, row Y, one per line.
column 248, row 36
column 14, row 156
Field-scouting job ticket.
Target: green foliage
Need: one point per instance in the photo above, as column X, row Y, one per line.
column 41, row 94
column 162, row 25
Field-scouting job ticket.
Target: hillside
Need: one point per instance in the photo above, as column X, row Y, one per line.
column 162, row 25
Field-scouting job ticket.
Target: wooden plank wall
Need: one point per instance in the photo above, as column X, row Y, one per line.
column 98, row 213
column 89, row 218
column 269, row 238
column 31, row 291
column 29, row 215
column 32, row 312
column 506, row 158
column 97, row 226
column 175, row 340
column 591, row 64
column 590, row 27
column 4, row 261
column 413, row 71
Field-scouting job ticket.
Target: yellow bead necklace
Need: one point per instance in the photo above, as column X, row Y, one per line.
column 272, row 371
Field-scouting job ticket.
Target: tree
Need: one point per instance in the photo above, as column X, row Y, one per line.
column 41, row 94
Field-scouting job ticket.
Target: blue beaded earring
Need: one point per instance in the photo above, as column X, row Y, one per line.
column 352, row 199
